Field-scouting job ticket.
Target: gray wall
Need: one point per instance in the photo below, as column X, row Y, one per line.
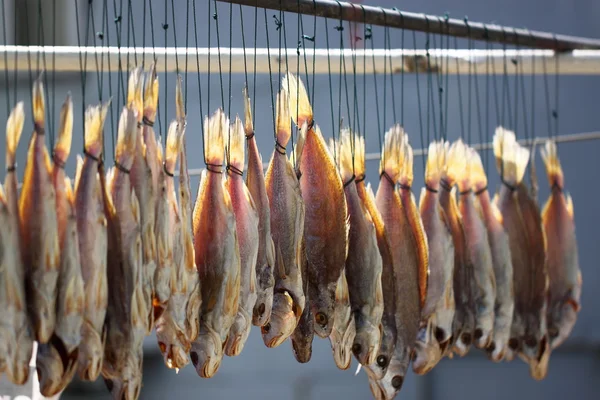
column 263, row 373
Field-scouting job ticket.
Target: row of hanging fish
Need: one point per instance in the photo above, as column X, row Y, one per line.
column 304, row 248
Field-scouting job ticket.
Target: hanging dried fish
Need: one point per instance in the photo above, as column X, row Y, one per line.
column 16, row 335
column 344, row 327
column 323, row 194
column 287, row 227
column 39, row 231
column 265, row 259
column 217, row 253
column 92, row 234
column 304, row 334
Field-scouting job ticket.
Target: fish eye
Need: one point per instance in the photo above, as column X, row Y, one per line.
column 513, row 343
column 491, row 347
column 194, row 357
column 261, row 308
column 466, row 338
column 356, row 348
column 439, row 334
column 265, row 329
column 109, row 384
column 552, row 331
column 413, row 355
column 478, row 333
column 382, row 361
column 530, row 341
column 321, row 319
column 162, row 347
column 397, row 382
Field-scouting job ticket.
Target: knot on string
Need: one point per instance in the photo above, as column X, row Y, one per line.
column 508, row 185
column 404, row 186
column 556, row 186
column 298, row 47
column 444, row 184
column 169, row 173
column 165, row 26
column 11, row 168
column 339, row 28
column 554, row 114
column 57, row 161
column 117, row 19
column 234, row 169
column 147, row 122
column 214, row 168
column 250, row 136
column 39, row 129
column 278, row 23
column 486, row 33
column 465, row 192
column 121, row 167
column 279, row 148
column 352, row 179
column 481, row 191
column 309, row 38
column 215, row 16
column 430, row 189
column 91, row 156
column 389, row 179
column 368, row 32
column 360, row 178
column 140, row 124
column 100, row 35
column 514, row 61
column 446, row 16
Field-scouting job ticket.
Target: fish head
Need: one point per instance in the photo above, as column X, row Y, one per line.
column 561, row 320
column 207, row 353
column 262, row 308
column 91, row 353
column 302, row 346
column 323, row 308
column 50, row 369
column 496, row 351
column 392, row 381
column 283, row 320
column 342, row 338
column 538, row 368
column 425, row 356
column 366, row 341
column 124, row 389
column 534, row 344
column 18, row 370
column 174, row 355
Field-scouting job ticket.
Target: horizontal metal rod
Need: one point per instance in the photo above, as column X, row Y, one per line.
column 453, row 61
column 426, row 23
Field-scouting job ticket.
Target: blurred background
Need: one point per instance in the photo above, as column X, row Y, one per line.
column 261, row 373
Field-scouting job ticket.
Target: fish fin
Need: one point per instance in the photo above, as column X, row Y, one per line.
column 38, row 103
column 173, row 145
column 435, row 162
column 406, row 170
column 503, row 139
column 280, row 270
column 496, row 212
column 235, row 145
column 214, row 129
column 345, row 148
column 570, row 300
column 569, row 201
column 283, row 126
column 478, row 176
column 135, row 92
column 179, row 104
column 359, row 155
column 65, row 132
column 151, row 93
column 422, row 250
column 298, row 102
column 298, row 148
column 456, row 166
column 14, row 128
column 341, row 291
column 422, row 197
column 78, row 169
column 551, row 161
column 127, row 138
column 94, row 127
column 392, row 153
column 69, row 193
column 248, row 124
column 521, row 161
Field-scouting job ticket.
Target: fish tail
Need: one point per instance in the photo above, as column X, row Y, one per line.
column 343, row 148
column 456, row 165
column 283, row 126
column 435, row 161
column 94, row 128
column 478, row 176
column 521, row 161
column 65, row 132
column 392, row 153
column 173, row 145
column 235, row 145
column 248, row 126
column 214, row 129
column 298, row 147
column 14, row 128
column 151, row 93
column 406, row 170
column 298, row 101
column 39, row 103
column 550, row 156
column 511, row 158
column 127, row 138
column 135, row 91
column 359, row 155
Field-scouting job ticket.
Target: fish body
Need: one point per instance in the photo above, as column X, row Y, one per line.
column 558, row 219
column 363, row 264
column 38, row 228
column 501, row 261
column 16, row 334
column 217, row 254
column 323, row 194
column 344, row 327
column 246, row 221
column 265, row 259
column 287, row 228
column 303, row 336
column 92, row 235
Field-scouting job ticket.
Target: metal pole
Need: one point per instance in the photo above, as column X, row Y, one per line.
column 426, row 23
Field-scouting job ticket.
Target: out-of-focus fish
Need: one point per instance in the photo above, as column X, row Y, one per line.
column 439, row 304
column 344, row 327
column 125, row 315
column 363, row 264
column 56, row 360
column 477, row 245
column 145, row 190
column 217, row 253
column 171, row 325
column 38, row 228
column 16, row 335
column 246, row 219
column 428, row 351
column 501, row 259
column 563, row 257
column 404, row 253
column 91, row 231
column 303, row 336
column 388, row 284
column 287, row 227
column 265, row 259
column 463, row 326
column 323, row 194
column 388, row 387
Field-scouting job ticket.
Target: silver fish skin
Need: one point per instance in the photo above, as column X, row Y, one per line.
column 16, row 333
column 344, row 327
column 246, row 221
column 501, row 261
column 428, row 351
column 564, row 296
column 265, row 259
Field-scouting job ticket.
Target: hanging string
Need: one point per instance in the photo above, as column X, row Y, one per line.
column 556, row 85
column 401, row 73
column 460, row 98
column 521, row 77
column 312, row 100
column 444, row 122
column 15, row 69
column 165, row 27
column 385, row 49
column 430, row 93
column 132, row 24
column 199, row 82
column 228, row 149
column 187, row 50
column 389, row 46
column 82, row 66
column 478, row 105
column 515, row 62
column 419, row 102
column 281, row 27
column 270, row 74
column 340, row 29
column 6, row 84
column 428, row 72
column 53, row 104
column 505, row 87
column 28, row 54
column 533, row 78
column 365, row 33
column 469, row 81
column 158, row 105
column 369, row 36
column 119, row 29
column 330, row 80
column 547, row 96
column 100, row 36
column 244, row 47
column 254, row 71
column 209, row 16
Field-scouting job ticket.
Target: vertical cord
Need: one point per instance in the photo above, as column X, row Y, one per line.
column 199, row 82
column 460, row 102
column 165, row 26
column 187, row 51
column 270, row 75
column 389, row 46
column 469, row 88
column 329, row 73
column 158, row 106
column 228, row 152
column 556, row 90
column 6, row 84
column 216, row 18
column 419, row 102
column 254, row 71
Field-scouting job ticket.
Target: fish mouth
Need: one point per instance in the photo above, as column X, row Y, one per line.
column 210, row 368
column 236, row 347
column 482, row 339
column 275, row 341
column 259, row 314
column 91, row 369
column 19, row 374
column 302, row 356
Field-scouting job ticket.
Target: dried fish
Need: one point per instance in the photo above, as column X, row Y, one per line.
column 344, row 327
column 303, row 336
